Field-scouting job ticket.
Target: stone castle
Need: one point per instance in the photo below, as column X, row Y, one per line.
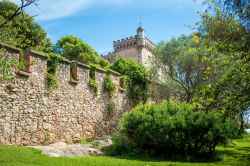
column 138, row 48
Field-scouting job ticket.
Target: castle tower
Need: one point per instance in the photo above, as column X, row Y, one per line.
column 138, row 48
column 140, row 36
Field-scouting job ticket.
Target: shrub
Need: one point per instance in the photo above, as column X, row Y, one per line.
column 173, row 128
column 108, row 84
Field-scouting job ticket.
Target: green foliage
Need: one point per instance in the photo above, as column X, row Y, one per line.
column 22, row 62
column 74, row 48
column 22, row 31
column 86, row 140
column 123, row 81
column 92, row 80
column 52, row 64
column 7, row 65
column 110, row 108
column 186, row 63
column 108, row 84
column 137, row 78
column 227, row 24
column 173, row 128
column 122, row 146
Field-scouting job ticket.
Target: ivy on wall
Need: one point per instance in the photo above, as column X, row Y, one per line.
column 6, row 64
column 108, row 84
column 52, row 64
column 92, row 81
column 135, row 77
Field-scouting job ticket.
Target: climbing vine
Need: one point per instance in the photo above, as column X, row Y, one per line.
column 52, row 64
column 123, row 82
column 21, row 63
column 92, row 81
column 7, row 64
column 136, row 78
column 108, row 84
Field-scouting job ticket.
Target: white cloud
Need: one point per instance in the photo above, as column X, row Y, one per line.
column 56, row 9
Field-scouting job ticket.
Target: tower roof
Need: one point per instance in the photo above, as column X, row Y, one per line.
column 140, row 28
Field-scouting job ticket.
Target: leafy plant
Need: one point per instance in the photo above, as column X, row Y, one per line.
column 92, row 80
column 22, row 62
column 123, row 81
column 7, row 64
column 110, row 108
column 52, row 64
column 174, row 128
column 108, row 84
column 86, row 140
column 137, row 78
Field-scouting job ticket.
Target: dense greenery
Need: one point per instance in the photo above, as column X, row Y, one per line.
column 108, row 84
column 22, row 31
column 52, row 64
column 7, row 64
column 227, row 24
column 92, row 79
column 211, row 67
column 74, row 48
column 136, row 80
column 172, row 128
column 186, row 63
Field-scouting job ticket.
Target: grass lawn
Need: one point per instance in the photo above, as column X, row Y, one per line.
column 236, row 154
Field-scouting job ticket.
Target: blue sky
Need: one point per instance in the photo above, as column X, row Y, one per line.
column 100, row 22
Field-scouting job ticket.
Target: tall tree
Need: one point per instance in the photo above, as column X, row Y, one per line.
column 74, row 48
column 186, row 61
column 7, row 18
column 20, row 29
column 227, row 24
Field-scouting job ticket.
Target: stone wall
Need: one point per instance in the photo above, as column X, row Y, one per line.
column 30, row 114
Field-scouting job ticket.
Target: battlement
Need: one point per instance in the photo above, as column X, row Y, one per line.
column 40, row 58
column 129, row 42
column 125, row 43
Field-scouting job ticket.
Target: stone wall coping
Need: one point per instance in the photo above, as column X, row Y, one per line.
column 36, row 53
column 115, row 73
column 82, row 65
column 18, row 50
column 100, row 70
column 66, row 61
column 9, row 47
column 39, row 54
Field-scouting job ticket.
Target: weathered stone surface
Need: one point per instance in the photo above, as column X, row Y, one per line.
column 63, row 149
column 31, row 115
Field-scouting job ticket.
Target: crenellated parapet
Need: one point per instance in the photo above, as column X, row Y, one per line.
column 125, row 43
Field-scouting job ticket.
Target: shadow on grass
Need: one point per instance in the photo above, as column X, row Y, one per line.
column 177, row 158
column 236, row 155
column 231, row 155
